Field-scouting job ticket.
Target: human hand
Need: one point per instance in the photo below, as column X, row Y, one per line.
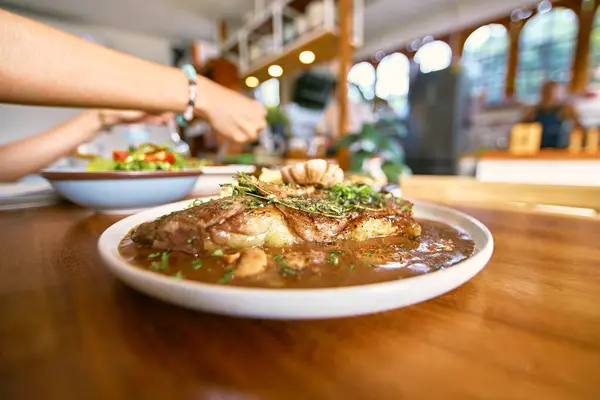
column 116, row 117
column 231, row 114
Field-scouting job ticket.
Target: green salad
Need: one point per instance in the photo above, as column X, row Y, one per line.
column 146, row 157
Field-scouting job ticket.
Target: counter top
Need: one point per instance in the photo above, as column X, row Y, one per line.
column 544, row 154
column 526, row 327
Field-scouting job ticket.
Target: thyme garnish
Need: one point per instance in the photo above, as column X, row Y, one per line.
column 335, row 202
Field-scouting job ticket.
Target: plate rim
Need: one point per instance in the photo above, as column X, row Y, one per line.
column 111, row 257
column 227, row 170
column 75, row 175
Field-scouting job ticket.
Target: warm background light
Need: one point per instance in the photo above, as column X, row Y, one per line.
column 252, row 82
column 275, row 71
column 307, row 57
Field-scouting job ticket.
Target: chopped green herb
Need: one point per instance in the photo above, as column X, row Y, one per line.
column 178, row 275
column 370, row 253
column 334, row 258
column 193, row 239
column 287, row 271
column 352, row 267
column 226, row 278
column 155, row 265
column 164, row 262
column 165, row 216
column 406, row 207
column 196, row 263
column 153, row 255
column 195, row 203
column 254, row 204
column 218, row 253
column 340, row 200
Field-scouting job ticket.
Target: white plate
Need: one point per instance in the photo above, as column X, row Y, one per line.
column 299, row 303
column 216, row 175
column 230, row 169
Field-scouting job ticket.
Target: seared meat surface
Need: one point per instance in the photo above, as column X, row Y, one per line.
column 239, row 222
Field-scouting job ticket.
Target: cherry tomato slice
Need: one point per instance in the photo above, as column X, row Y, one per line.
column 120, row 155
column 161, row 156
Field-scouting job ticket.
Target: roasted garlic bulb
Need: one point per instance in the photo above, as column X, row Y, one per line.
column 313, row 172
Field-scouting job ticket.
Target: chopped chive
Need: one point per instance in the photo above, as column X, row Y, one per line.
column 333, row 258
column 218, row 253
column 155, row 265
column 178, row 275
column 277, row 257
column 370, row 253
column 193, row 239
column 405, row 207
column 226, row 278
column 196, row 263
column 195, row 203
column 352, row 267
column 164, row 259
column 153, row 255
column 287, row 271
column 163, row 264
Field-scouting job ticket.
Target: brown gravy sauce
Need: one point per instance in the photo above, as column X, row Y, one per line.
column 344, row 263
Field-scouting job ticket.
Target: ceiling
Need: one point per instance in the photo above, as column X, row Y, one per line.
column 387, row 22
column 391, row 23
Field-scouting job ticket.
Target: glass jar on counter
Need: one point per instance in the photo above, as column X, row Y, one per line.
column 297, row 149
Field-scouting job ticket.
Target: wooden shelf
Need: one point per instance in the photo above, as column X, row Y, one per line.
column 322, row 42
column 268, row 25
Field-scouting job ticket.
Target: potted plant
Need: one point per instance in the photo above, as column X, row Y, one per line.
column 277, row 120
column 379, row 140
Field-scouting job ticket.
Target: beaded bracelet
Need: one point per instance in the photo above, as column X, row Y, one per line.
column 188, row 114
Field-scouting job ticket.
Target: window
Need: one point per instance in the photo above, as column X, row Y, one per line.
column 363, row 76
column 392, row 82
column 434, row 56
column 546, row 49
column 484, row 59
column 595, row 52
column 268, row 92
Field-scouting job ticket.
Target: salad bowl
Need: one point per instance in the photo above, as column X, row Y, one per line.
column 121, row 191
column 145, row 176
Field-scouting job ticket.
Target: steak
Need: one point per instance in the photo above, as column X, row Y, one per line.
column 241, row 221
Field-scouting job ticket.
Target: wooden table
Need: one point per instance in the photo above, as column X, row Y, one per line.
column 527, row 327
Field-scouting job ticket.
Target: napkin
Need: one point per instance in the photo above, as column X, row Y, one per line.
column 21, row 189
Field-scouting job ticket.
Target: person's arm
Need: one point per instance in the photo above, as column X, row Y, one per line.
column 30, row 155
column 44, row 66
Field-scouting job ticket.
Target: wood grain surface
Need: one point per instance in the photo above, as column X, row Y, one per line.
column 543, row 154
column 527, row 327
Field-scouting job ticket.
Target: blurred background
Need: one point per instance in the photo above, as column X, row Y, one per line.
column 433, row 87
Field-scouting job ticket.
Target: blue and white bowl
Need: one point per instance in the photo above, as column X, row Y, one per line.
column 121, row 191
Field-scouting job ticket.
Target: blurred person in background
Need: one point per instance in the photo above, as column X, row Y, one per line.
column 32, row 154
column 557, row 117
column 359, row 113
